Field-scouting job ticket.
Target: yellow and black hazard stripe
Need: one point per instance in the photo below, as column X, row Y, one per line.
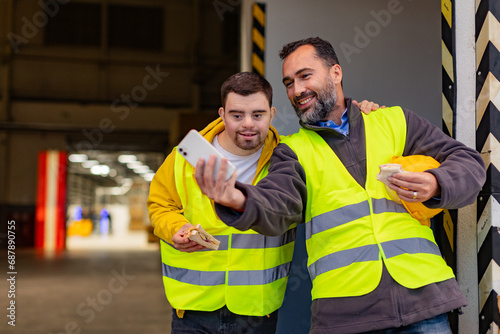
column 488, row 143
column 445, row 223
column 448, row 66
column 258, row 37
column 446, row 230
column 449, row 217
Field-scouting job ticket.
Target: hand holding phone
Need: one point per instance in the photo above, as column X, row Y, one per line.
column 193, row 147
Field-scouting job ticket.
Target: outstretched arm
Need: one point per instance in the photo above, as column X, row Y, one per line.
column 269, row 207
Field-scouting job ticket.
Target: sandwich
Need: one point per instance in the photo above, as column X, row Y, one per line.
column 387, row 170
column 202, row 237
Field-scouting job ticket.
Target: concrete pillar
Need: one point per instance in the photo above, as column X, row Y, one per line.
column 464, row 35
column 487, row 142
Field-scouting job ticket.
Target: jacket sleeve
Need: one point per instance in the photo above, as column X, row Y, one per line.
column 462, row 172
column 164, row 203
column 276, row 202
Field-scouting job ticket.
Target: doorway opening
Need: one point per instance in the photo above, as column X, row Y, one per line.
column 106, row 205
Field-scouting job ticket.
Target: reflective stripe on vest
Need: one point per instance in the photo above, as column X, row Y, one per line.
column 258, row 277
column 371, row 253
column 381, row 205
column 247, row 241
column 349, row 213
column 351, row 229
column 248, row 272
column 211, row 278
column 224, row 239
column 251, row 277
column 208, row 278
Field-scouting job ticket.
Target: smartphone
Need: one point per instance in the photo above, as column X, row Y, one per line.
column 193, row 147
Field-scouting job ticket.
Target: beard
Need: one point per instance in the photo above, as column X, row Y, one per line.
column 249, row 144
column 325, row 101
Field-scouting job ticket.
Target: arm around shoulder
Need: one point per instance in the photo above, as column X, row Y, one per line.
column 276, row 202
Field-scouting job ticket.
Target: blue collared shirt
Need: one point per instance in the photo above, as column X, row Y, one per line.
column 343, row 128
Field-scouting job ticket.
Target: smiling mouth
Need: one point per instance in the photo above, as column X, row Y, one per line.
column 305, row 101
column 248, row 135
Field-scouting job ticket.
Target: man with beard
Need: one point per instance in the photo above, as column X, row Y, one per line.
column 374, row 268
column 239, row 287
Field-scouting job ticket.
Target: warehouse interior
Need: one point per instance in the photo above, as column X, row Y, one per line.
column 104, row 79
column 111, row 86
column 114, row 85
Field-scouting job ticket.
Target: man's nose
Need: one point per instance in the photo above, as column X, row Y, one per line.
column 247, row 122
column 299, row 88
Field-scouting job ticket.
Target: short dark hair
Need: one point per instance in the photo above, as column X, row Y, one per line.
column 324, row 50
column 246, row 83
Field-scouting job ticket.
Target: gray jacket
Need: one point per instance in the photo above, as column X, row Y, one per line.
column 278, row 201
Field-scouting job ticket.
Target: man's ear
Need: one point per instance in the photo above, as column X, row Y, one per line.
column 336, row 74
column 221, row 112
column 273, row 113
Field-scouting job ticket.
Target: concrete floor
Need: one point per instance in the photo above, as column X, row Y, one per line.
column 87, row 291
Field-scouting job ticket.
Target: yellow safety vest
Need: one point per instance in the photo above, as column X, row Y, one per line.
column 248, row 272
column 350, row 230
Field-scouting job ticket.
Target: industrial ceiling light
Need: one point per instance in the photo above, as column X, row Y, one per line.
column 99, row 170
column 126, row 158
column 77, row 157
column 142, row 170
column 134, row 164
column 90, row 163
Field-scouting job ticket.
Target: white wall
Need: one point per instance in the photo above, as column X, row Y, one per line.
column 397, row 62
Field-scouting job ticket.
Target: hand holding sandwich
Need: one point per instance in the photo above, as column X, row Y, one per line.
column 415, row 186
column 182, row 243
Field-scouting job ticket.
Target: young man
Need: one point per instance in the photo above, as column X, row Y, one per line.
column 242, row 284
column 373, row 266
column 245, row 279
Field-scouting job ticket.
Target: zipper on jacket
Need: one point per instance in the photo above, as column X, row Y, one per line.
column 336, row 143
column 360, row 177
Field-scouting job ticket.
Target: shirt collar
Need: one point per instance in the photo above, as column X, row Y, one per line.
column 343, row 128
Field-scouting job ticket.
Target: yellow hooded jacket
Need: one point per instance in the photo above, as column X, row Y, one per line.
column 164, row 203
column 249, row 271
